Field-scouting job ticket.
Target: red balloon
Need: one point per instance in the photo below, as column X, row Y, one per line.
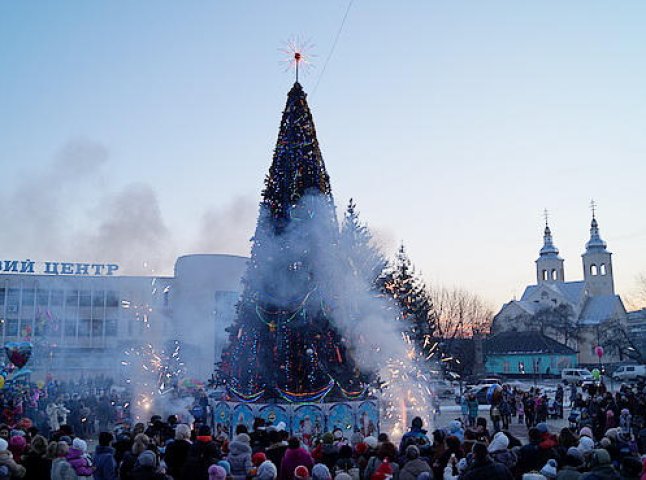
column 599, row 351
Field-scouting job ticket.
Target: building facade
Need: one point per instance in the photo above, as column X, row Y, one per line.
column 581, row 314
column 81, row 320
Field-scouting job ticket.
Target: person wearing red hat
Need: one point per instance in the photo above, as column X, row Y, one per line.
column 301, row 473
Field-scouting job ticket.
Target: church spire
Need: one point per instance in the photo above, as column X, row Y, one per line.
column 595, row 242
column 548, row 244
column 597, row 261
column 549, row 266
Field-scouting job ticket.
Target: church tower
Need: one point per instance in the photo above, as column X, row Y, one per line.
column 597, row 263
column 549, row 266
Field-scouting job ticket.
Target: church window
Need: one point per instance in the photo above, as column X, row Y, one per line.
column 593, row 270
column 544, row 274
column 553, row 274
column 602, row 269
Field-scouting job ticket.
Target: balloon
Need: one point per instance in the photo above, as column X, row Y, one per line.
column 40, row 384
column 18, row 353
column 599, row 351
column 1, row 382
column 596, row 374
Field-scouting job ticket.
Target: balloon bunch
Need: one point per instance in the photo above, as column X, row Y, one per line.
column 18, row 354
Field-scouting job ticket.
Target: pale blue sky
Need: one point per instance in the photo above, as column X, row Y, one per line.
column 452, row 123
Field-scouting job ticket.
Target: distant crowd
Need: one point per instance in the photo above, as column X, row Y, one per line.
column 604, row 438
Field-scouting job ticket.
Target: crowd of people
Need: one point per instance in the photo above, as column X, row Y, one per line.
column 603, row 438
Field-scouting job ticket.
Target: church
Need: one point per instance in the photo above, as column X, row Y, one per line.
column 580, row 314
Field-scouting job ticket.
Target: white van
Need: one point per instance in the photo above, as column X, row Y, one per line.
column 576, row 375
column 629, row 372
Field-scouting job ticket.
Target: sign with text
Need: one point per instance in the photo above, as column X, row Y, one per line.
column 57, row 268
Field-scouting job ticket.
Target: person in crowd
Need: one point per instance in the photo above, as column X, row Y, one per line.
column 105, row 464
column 483, row 467
column 239, row 456
column 201, row 455
column 147, row 467
column 177, row 450
column 416, row 433
column 600, row 467
column 295, row 456
column 61, row 468
column 499, row 451
column 140, row 444
column 414, row 465
column 80, row 460
column 35, row 461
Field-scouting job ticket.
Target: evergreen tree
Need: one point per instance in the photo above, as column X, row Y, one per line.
column 284, row 343
column 365, row 260
column 411, row 295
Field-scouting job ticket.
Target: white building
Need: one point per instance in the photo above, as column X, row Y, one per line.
column 595, row 307
column 81, row 320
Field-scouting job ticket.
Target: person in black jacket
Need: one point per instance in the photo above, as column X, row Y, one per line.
column 483, row 467
column 202, row 454
column 35, row 460
column 177, row 450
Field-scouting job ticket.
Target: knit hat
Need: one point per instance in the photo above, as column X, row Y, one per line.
column 267, row 471
column 605, row 442
column 147, row 459
column 343, row 476
column 361, row 448
column 216, row 472
column 549, row 469
column 586, row 444
column 242, row 438
column 575, row 453
column 542, row 427
column 226, row 465
column 585, row 432
column 371, row 442
column 281, row 426
column 383, row 472
column 66, row 439
column 533, row 476
column 600, row 457
column 301, row 473
column 257, row 458
column 498, row 442
column 321, row 472
column 80, row 444
column 412, row 452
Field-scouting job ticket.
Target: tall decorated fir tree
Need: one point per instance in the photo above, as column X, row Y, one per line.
column 284, row 342
column 415, row 306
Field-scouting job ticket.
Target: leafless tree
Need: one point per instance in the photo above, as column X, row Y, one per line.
column 459, row 313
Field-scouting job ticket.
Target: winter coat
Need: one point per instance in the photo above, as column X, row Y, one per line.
column 504, row 456
column 80, row 463
column 413, row 468
column 240, row 459
column 275, row 453
column 531, row 457
column 568, row 473
column 105, row 464
column 202, row 454
column 293, row 458
column 62, row 470
column 601, row 472
column 17, row 471
column 416, row 434
column 176, row 455
column 473, row 408
column 38, row 467
column 141, row 472
column 487, row 469
column 347, row 465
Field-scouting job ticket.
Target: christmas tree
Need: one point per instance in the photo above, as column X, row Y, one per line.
column 284, row 342
column 415, row 306
column 365, row 260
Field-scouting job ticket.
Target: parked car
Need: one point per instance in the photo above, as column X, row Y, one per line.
column 480, row 391
column 578, row 376
column 443, row 388
column 630, row 373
